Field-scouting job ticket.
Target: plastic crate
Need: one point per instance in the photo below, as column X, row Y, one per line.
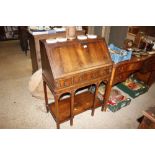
column 118, row 55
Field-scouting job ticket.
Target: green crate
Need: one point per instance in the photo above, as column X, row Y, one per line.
column 119, row 105
column 134, row 93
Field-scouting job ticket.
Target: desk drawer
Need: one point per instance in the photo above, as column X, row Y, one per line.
column 120, row 78
column 84, row 77
column 64, row 83
column 149, row 67
column 128, row 67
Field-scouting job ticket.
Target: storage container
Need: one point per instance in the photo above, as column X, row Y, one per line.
column 118, row 54
column 133, row 87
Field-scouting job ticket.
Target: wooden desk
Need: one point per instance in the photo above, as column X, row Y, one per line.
column 144, row 67
column 35, row 47
column 72, row 65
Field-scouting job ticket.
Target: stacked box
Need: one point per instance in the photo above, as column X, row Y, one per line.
column 119, row 105
column 116, row 99
column 133, row 87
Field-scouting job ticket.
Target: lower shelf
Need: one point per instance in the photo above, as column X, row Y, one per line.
column 83, row 102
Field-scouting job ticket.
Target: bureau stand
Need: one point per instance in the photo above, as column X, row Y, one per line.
column 70, row 66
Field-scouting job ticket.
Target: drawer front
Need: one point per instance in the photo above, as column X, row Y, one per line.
column 128, row 67
column 149, row 65
column 84, row 77
column 64, row 83
column 134, row 66
column 120, row 78
column 81, row 78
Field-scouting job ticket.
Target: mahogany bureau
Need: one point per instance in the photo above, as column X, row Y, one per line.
column 69, row 66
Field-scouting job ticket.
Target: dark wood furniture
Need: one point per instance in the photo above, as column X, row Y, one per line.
column 23, row 38
column 72, row 65
column 9, row 33
column 148, row 30
column 35, row 47
column 2, row 33
column 147, row 72
column 143, row 67
column 148, row 121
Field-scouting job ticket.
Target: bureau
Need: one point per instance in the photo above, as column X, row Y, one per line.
column 70, row 66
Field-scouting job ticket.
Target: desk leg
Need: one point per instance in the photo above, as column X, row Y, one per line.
column 72, row 107
column 95, row 98
column 45, row 94
column 108, row 90
column 106, row 97
column 57, row 110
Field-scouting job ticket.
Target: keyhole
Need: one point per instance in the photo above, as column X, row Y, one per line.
column 84, row 46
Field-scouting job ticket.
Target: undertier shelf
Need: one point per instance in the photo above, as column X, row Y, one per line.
column 82, row 102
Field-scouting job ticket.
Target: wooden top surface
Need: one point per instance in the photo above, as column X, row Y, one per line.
column 134, row 59
column 76, row 56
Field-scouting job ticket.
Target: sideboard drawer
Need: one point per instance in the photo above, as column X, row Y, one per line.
column 128, row 67
column 120, row 78
column 149, row 65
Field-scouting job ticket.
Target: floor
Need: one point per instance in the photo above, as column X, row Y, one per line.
column 18, row 109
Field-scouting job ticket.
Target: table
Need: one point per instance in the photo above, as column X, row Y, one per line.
column 35, row 47
column 143, row 67
column 70, row 66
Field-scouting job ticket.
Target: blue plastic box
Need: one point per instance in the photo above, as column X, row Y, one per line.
column 122, row 55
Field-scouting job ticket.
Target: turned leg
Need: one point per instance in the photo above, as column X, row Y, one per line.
column 45, row 95
column 57, row 111
column 72, row 107
column 94, row 100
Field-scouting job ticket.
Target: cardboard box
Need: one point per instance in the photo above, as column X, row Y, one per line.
column 133, row 87
column 117, row 99
column 119, row 105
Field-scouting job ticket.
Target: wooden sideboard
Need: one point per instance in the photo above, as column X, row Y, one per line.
column 143, row 67
column 35, row 47
column 70, row 66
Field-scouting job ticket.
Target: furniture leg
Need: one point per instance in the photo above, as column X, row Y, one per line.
column 106, row 97
column 45, row 94
column 95, row 98
column 57, row 111
column 72, row 107
column 108, row 90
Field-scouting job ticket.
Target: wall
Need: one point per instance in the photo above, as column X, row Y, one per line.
column 117, row 35
column 101, row 31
